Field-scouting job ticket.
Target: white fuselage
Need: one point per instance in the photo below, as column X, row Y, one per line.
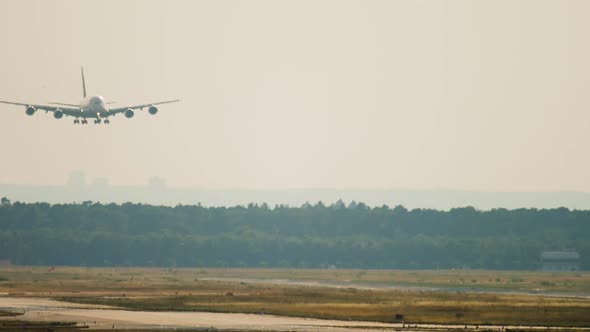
column 93, row 107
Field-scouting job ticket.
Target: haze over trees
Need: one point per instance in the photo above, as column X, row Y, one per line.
column 353, row 236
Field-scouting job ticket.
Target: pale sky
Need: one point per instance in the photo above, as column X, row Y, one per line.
column 469, row 95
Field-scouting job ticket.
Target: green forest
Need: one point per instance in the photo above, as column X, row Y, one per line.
column 310, row 236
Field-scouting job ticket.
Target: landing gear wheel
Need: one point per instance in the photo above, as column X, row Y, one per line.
column 76, row 121
column 84, row 121
column 106, row 121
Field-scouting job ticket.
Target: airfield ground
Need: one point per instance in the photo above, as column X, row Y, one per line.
column 277, row 299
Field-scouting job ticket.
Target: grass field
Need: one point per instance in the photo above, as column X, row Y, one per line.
column 244, row 290
column 17, row 325
column 35, row 279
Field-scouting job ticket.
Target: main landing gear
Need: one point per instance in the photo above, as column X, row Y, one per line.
column 97, row 121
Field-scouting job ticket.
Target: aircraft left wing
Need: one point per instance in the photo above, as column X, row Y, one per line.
column 48, row 108
column 113, row 111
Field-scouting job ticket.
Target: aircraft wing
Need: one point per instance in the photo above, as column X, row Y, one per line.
column 48, row 108
column 116, row 110
column 134, row 107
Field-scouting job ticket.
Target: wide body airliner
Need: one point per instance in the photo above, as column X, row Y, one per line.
column 91, row 107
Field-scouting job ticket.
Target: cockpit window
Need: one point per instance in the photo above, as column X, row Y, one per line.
column 96, row 100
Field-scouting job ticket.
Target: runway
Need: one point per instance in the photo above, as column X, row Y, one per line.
column 101, row 317
column 105, row 317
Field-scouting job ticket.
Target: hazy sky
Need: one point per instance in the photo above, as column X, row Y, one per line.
column 474, row 95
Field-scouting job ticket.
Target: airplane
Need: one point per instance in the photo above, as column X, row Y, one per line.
column 91, row 107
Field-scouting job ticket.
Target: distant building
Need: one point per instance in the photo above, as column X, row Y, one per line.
column 77, row 180
column 157, row 183
column 566, row 260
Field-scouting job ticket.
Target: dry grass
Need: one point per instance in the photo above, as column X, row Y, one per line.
column 198, row 289
column 565, row 282
column 349, row 304
column 65, row 279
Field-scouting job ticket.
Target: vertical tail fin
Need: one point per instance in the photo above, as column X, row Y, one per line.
column 83, row 84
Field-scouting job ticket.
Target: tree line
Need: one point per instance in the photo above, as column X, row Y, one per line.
column 310, row 236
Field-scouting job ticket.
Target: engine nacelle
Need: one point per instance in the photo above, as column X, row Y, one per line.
column 153, row 110
column 30, row 110
column 129, row 113
column 58, row 114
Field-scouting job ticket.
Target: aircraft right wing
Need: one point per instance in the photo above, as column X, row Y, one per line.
column 48, row 108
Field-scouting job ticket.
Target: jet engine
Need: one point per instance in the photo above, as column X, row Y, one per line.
column 58, row 114
column 129, row 113
column 30, row 110
column 153, row 110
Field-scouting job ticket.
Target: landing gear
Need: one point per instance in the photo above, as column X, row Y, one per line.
column 96, row 121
